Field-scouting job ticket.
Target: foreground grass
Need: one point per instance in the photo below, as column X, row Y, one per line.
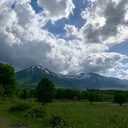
column 17, row 119
column 77, row 114
column 88, row 115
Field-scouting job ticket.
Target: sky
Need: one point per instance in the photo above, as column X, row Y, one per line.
column 66, row 36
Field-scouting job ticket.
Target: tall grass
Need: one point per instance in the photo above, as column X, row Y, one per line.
column 88, row 115
column 66, row 114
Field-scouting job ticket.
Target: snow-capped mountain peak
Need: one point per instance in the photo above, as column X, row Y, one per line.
column 82, row 80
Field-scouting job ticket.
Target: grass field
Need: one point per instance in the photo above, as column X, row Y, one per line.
column 88, row 115
column 77, row 114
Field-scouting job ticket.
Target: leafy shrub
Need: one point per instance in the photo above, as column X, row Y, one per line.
column 20, row 107
column 37, row 112
column 28, row 109
column 58, row 122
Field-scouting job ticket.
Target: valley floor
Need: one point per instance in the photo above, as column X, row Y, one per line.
column 75, row 114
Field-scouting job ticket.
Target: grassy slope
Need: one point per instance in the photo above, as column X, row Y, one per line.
column 78, row 114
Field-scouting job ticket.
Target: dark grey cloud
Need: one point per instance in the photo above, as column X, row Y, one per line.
column 114, row 17
column 24, row 55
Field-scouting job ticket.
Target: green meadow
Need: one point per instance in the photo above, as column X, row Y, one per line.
column 64, row 114
column 91, row 115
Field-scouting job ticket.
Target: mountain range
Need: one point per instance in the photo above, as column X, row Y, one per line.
column 30, row 77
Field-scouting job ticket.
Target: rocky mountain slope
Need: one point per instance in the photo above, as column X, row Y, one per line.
column 31, row 76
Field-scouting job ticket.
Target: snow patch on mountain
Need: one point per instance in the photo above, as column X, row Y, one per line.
column 81, row 80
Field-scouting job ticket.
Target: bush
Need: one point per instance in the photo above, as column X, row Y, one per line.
column 20, row 107
column 58, row 122
column 28, row 109
column 37, row 112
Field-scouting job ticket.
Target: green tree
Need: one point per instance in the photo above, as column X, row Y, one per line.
column 91, row 97
column 84, row 94
column 31, row 93
column 59, row 93
column 44, row 91
column 7, row 79
column 68, row 94
column 120, row 98
column 25, row 93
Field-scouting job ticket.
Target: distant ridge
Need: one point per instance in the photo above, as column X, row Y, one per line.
column 30, row 77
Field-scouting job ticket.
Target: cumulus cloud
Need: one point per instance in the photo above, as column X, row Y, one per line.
column 106, row 21
column 71, row 30
column 21, row 39
column 103, row 62
column 56, row 9
column 24, row 42
column 122, row 74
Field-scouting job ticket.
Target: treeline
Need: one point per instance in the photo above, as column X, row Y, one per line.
column 92, row 95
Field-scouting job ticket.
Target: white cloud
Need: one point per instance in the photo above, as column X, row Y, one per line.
column 106, row 21
column 57, row 9
column 22, row 40
column 102, row 62
column 27, row 43
column 73, row 56
column 122, row 74
column 71, row 30
column 21, row 2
